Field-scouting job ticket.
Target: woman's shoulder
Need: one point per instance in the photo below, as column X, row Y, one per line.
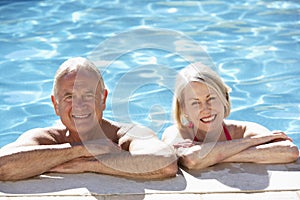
column 241, row 129
column 172, row 135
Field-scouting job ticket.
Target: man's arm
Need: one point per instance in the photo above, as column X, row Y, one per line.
column 147, row 158
column 36, row 152
column 28, row 161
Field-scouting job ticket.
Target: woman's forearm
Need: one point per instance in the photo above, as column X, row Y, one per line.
column 275, row 152
column 207, row 154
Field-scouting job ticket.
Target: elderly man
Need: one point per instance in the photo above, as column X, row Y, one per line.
column 85, row 141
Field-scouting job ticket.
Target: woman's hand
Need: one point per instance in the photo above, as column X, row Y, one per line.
column 186, row 144
column 275, row 136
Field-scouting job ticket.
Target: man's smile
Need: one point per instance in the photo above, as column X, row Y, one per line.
column 81, row 116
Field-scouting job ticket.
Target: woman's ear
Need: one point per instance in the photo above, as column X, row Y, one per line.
column 227, row 96
column 103, row 99
column 55, row 105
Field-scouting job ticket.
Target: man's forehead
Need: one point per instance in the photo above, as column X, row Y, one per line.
column 82, row 73
column 79, row 81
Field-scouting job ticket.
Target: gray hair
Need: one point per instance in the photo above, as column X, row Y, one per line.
column 76, row 64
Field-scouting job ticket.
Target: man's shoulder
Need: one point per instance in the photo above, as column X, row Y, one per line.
column 46, row 135
column 51, row 130
column 120, row 127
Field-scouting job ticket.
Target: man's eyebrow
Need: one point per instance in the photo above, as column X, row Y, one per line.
column 67, row 94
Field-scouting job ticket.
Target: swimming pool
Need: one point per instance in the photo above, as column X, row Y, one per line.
column 253, row 44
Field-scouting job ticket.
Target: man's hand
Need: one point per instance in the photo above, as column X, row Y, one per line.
column 99, row 147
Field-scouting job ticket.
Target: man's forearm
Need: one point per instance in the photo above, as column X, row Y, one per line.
column 27, row 161
column 134, row 166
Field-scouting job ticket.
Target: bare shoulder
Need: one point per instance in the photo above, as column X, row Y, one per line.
column 171, row 135
column 240, row 129
column 39, row 136
column 125, row 133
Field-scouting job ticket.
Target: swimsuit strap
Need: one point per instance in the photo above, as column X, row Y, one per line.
column 227, row 134
column 195, row 139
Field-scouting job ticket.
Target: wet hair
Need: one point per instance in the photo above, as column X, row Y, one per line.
column 197, row 72
column 74, row 65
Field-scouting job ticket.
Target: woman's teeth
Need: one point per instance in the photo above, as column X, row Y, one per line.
column 208, row 119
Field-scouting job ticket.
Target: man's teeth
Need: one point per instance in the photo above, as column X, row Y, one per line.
column 81, row 116
column 208, row 119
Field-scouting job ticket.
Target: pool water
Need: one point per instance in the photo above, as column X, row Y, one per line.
column 254, row 45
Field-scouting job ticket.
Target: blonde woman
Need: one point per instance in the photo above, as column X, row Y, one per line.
column 202, row 137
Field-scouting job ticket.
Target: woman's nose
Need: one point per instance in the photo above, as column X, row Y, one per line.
column 205, row 107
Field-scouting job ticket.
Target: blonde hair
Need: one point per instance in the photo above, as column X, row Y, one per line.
column 197, row 72
column 74, row 65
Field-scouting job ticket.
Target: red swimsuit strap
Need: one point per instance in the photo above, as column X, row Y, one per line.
column 227, row 134
column 196, row 139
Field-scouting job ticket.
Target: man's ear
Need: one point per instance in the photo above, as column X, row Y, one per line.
column 55, row 105
column 103, row 100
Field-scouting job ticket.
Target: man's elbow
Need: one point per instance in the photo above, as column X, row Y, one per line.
column 8, row 172
column 189, row 162
column 7, row 175
column 293, row 154
column 170, row 170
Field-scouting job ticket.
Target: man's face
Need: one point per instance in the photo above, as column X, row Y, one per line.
column 80, row 101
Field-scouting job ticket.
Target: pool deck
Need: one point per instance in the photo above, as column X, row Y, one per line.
column 224, row 181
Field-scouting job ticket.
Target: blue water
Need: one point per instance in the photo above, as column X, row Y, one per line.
column 253, row 44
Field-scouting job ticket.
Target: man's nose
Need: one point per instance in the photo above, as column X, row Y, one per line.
column 78, row 101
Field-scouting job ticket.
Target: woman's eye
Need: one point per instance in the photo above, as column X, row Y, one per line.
column 195, row 103
column 211, row 98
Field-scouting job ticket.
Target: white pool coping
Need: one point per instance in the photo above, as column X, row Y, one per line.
column 223, row 181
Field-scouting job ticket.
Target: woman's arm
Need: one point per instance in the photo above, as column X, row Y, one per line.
column 206, row 154
column 273, row 152
column 276, row 151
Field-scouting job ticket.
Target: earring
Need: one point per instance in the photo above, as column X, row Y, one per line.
column 191, row 125
column 188, row 123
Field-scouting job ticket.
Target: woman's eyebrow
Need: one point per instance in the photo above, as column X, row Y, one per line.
column 196, row 98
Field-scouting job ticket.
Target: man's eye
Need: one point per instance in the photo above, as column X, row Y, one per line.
column 68, row 98
column 89, row 96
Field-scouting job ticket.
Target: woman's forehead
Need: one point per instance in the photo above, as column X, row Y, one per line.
column 198, row 89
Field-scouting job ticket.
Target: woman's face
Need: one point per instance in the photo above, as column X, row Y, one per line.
column 203, row 106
